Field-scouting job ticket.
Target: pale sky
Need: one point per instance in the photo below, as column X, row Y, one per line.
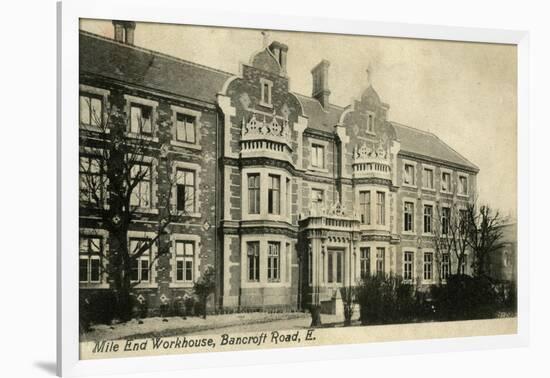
column 465, row 93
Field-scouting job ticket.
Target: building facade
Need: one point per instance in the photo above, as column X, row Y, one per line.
column 292, row 197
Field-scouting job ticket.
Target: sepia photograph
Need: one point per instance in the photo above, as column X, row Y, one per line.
column 252, row 189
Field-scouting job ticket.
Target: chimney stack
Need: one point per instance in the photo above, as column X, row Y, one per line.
column 320, row 91
column 124, row 31
column 279, row 50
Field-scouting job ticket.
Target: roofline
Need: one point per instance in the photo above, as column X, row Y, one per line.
column 160, row 54
column 414, row 155
column 314, row 99
column 472, row 165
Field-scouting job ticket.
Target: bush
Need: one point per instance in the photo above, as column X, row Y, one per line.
column 385, row 299
column 97, row 307
column 205, row 286
column 464, row 297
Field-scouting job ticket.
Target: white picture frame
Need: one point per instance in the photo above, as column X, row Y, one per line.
column 69, row 13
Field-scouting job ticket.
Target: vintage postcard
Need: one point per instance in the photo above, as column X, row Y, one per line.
column 244, row 189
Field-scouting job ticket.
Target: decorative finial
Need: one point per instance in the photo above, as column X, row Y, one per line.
column 265, row 35
column 369, row 74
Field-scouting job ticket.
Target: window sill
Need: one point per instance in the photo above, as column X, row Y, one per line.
column 429, row 235
column 265, row 105
column 193, row 146
column 462, row 195
column 93, row 285
column 146, row 285
column 447, row 192
column 94, row 128
column 412, row 186
column 429, row 189
column 142, row 137
column 316, row 169
column 181, row 285
column 145, row 210
column 410, row 233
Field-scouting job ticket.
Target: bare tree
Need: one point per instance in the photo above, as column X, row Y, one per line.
column 484, row 234
column 115, row 182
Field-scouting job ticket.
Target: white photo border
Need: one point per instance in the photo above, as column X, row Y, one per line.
column 69, row 13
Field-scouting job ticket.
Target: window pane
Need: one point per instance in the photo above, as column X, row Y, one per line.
column 179, row 270
column 339, row 267
column 144, row 270
column 84, row 110
column 96, row 115
column 94, row 273
column 83, row 270
column 135, row 119
column 190, row 130
column 180, row 248
column 135, row 270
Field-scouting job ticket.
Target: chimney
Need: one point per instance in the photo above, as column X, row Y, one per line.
column 124, row 31
column 279, row 50
column 319, row 74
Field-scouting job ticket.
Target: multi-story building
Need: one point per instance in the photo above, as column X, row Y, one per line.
column 294, row 197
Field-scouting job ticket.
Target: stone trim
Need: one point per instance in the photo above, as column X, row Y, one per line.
column 174, row 238
column 186, row 111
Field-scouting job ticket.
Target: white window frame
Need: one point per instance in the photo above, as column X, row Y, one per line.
column 174, row 239
column 413, row 223
column 104, row 235
column 424, row 264
column 444, row 171
column 188, row 112
column 415, row 170
column 265, row 82
column 412, row 264
column 430, row 168
column 321, row 143
column 181, row 165
column 432, row 204
column 467, row 177
column 143, row 102
column 98, row 92
column 153, row 252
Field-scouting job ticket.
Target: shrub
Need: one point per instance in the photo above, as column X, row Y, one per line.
column 385, row 299
column 348, row 300
column 464, row 297
column 97, row 307
column 205, row 286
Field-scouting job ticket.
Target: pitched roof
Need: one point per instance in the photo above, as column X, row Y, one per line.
column 319, row 118
column 139, row 66
column 426, row 144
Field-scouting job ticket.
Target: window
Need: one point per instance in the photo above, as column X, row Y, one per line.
column 185, row 259
column 91, row 181
column 253, row 256
column 266, row 92
column 90, row 260
column 370, row 123
column 445, row 266
column 317, row 156
column 310, row 265
column 408, row 174
column 364, row 206
column 463, row 220
column 141, row 194
column 273, row 261
column 141, row 119
column 428, row 178
column 463, row 185
column 381, row 207
column 428, row 266
column 254, row 193
column 185, row 128
column 428, row 213
column 185, row 190
column 334, row 266
column 317, row 198
column 274, row 194
column 140, row 265
column 445, row 218
column 288, row 198
column 408, row 258
column 408, row 216
column 364, row 261
column 91, row 113
column 380, row 261
column 445, row 182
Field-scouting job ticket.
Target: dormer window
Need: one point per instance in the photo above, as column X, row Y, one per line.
column 265, row 98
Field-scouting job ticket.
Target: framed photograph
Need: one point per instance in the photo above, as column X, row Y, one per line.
column 238, row 187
